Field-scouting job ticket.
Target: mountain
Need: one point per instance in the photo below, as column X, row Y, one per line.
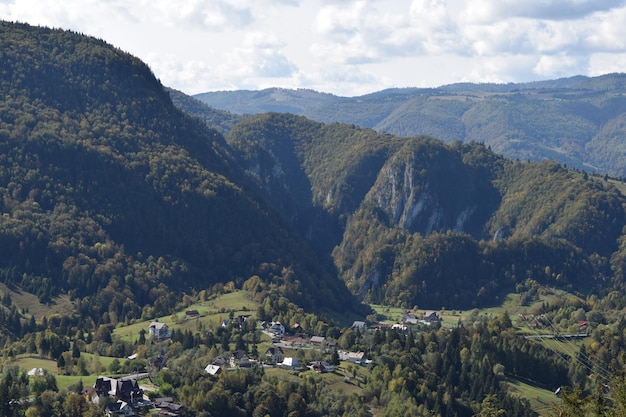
column 575, row 121
column 419, row 222
column 113, row 195
column 279, row 100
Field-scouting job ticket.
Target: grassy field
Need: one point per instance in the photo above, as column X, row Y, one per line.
column 26, row 363
column 30, row 302
column 540, row 399
column 212, row 312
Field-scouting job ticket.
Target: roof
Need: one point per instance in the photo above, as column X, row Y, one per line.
column 158, row 325
column 36, row 372
column 212, row 369
column 318, row 339
column 240, row 354
column 273, row 350
column 293, row 362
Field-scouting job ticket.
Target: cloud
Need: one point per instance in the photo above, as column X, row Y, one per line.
column 200, row 14
column 559, row 65
column 347, row 46
column 260, row 55
column 485, row 11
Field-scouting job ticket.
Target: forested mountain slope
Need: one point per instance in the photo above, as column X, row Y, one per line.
column 112, row 194
column 433, row 224
column 576, row 121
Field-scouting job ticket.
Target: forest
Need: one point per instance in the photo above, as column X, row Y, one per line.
column 127, row 203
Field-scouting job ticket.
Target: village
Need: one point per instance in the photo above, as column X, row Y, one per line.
column 129, row 396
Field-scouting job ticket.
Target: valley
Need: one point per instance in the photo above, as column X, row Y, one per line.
column 173, row 249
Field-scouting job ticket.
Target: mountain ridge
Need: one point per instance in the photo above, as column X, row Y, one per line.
column 581, row 132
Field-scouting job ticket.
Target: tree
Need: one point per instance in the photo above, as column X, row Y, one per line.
column 74, row 405
column 488, row 409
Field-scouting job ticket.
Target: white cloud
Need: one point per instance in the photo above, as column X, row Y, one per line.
column 485, row 11
column 605, row 63
column 559, row 65
column 260, row 55
column 347, row 46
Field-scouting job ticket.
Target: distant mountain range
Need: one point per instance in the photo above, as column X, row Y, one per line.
column 578, row 121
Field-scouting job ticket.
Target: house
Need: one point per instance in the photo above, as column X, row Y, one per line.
column 379, row 326
column 192, row 314
column 399, row 327
column 409, row 318
column 290, row 363
column 159, row 330
column 360, row 325
column 125, row 389
column 36, row 372
column 322, row 366
column 239, row 358
column 120, row 408
column 430, row 316
column 219, row 361
column 213, row 369
column 354, row 357
column 274, row 355
column 91, row 395
column 166, row 406
column 277, row 328
column 318, row 341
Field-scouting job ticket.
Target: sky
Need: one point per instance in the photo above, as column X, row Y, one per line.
column 347, row 47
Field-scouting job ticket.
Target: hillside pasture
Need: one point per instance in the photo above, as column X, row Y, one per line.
column 210, row 315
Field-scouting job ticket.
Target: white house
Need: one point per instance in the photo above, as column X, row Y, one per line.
column 290, row 363
column 354, row 357
column 36, row 372
column 159, row 330
column 277, row 328
column 361, row 325
column 212, row 369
